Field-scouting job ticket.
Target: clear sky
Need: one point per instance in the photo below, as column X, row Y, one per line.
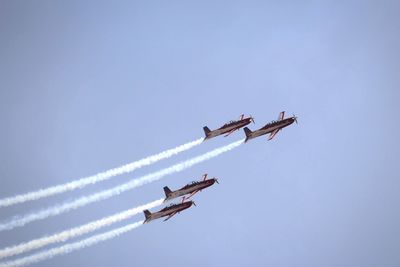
column 90, row 85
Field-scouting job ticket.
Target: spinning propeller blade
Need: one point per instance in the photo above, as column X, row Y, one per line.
column 252, row 119
column 295, row 118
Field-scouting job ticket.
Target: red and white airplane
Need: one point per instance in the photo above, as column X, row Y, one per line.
column 228, row 128
column 169, row 211
column 272, row 128
column 189, row 189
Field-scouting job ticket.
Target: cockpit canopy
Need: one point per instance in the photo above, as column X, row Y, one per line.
column 229, row 123
column 169, row 206
column 190, row 184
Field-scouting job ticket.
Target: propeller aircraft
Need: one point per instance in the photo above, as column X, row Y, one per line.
column 228, row 128
column 272, row 128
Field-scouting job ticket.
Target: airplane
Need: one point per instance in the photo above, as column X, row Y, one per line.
column 169, row 211
column 228, row 128
column 191, row 188
column 272, row 128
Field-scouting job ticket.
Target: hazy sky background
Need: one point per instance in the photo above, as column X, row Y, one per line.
column 90, row 85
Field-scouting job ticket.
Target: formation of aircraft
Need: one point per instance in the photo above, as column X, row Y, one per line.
column 169, row 211
column 271, row 128
column 228, row 127
column 189, row 190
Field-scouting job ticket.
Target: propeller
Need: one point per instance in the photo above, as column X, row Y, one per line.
column 194, row 204
column 295, row 118
column 216, row 180
column 252, row 119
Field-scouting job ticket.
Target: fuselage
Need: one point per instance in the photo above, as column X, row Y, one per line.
column 270, row 127
column 167, row 211
column 190, row 188
column 229, row 127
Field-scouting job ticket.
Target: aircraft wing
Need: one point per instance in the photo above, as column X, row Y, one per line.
column 281, row 116
column 170, row 216
column 230, row 132
column 273, row 134
column 192, row 194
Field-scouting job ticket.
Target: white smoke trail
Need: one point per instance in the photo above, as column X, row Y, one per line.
column 83, row 201
column 76, row 231
column 71, row 247
column 77, row 184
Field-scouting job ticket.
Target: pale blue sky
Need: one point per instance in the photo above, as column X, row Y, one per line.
column 90, row 85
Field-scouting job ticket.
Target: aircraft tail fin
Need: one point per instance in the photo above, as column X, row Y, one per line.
column 147, row 215
column 206, row 131
column 248, row 132
column 167, row 191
